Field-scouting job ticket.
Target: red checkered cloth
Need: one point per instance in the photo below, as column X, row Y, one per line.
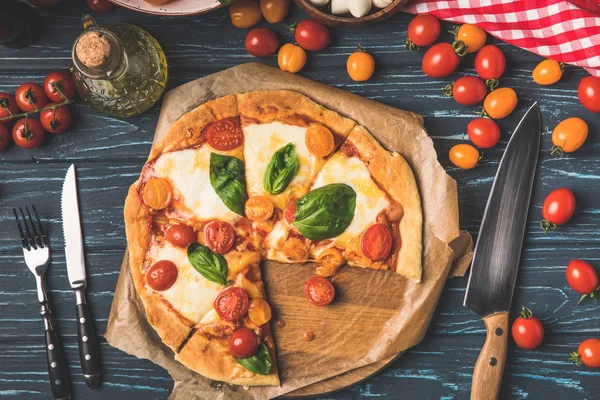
column 567, row 31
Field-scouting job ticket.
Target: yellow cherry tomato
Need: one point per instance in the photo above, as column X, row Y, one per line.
column 291, row 58
column 547, row 72
column 274, row 11
column 473, row 37
column 259, row 311
column 500, row 103
column 244, row 13
column 569, row 135
column 360, row 65
column 464, row 156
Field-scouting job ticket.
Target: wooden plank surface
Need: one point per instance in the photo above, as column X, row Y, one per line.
column 109, row 153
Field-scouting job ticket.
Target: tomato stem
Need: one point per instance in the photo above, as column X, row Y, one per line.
column 557, row 150
column 447, row 90
column 454, row 31
column 526, row 313
column 411, row 46
column 482, row 112
column 575, row 358
column 291, row 29
column 460, row 48
column 37, row 110
column 593, row 295
column 492, row 84
column 547, row 225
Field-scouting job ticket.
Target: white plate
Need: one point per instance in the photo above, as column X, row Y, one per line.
column 174, row 7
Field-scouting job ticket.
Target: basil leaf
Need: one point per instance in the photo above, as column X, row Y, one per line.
column 225, row 2
column 210, row 265
column 325, row 212
column 260, row 363
column 281, row 169
column 228, row 180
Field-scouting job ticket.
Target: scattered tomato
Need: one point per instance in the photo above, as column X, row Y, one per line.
column 244, row 13
column 319, row 140
column 527, row 330
column 57, row 120
column 232, row 303
column 500, row 103
column 258, row 208
column 483, row 132
column 162, row 275
column 100, row 6
column 243, row 343
column 8, row 106
column 224, row 134
column 319, row 291
column 490, row 64
column 360, row 65
column 583, row 279
column 157, row 193
column 464, row 156
column 440, row 60
column 4, row 137
column 30, row 97
column 311, row 35
column 588, row 354
column 569, row 135
column 472, row 36
column 219, row 236
column 423, row 30
column 376, row 242
column 291, row 58
column 180, row 235
column 274, row 11
column 59, row 82
column 589, row 93
column 547, row 72
column 261, row 42
column 28, row 133
column 468, row 90
column 558, row 207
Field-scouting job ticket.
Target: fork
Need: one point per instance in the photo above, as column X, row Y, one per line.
column 36, row 250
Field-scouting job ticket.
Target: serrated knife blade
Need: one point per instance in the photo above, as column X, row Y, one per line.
column 72, row 231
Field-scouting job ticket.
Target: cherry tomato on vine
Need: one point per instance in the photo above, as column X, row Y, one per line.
column 423, row 30
column 244, row 13
column 569, row 135
column 468, row 90
column 547, row 72
column 589, row 93
column 588, row 354
column 490, row 64
column 311, row 35
column 500, row 103
column 56, row 121
column 440, row 60
column 464, row 156
column 59, row 80
column 4, row 137
column 360, row 65
column 30, row 96
column 483, row 132
column 558, row 207
column 583, row 279
column 28, row 133
column 472, row 36
column 100, row 6
column 527, row 330
column 291, row 58
column 261, row 42
column 8, row 105
column 274, row 11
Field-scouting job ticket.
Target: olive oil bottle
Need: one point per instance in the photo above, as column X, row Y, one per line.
column 119, row 69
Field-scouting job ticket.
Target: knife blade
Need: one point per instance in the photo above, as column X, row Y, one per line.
column 498, row 250
column 74, row 255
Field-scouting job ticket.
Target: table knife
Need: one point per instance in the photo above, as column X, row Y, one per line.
column 498, row 251
column 86, row 335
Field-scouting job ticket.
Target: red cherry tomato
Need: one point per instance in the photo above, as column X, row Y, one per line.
column 490, row 62
column 311, row 35
column 423, row 30
column 162, row 275
column 219, row 236
column 468, row 90
column 319, row 291
column 588, row 354
column 232, row 303
column 8, row 106
column 100, row 6
column 28, row 133
column 4, row 137
column 180, row 235
column 57, row 120
column 30, row 97
column 440, row 60
column 527, row 330
column 558, row 208
column 376, row 242
column 589, row 93
column 583, row 278
column 243, row 343
column 261, row 42
column 59, row 80
column 224, row 135
column 289, row 214
column 483, row 132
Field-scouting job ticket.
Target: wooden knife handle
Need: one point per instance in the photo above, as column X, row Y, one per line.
column 489, row 367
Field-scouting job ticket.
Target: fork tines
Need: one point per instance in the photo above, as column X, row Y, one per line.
column 30, row 238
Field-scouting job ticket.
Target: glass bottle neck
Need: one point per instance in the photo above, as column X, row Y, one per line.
column 115, row 62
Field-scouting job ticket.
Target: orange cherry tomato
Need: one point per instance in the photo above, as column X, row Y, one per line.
column 500, row 103
column 472, row 36
column 259, row 208
column 259, row 311
column 360, row 65
column 231, row 303
column 180, row 235
column 157, row 193
column 376, row 242
column 329, row 261
column 219, row 236
column 547, row 72
column 319, row 291
column 274, row 11
column 587, row 354
column 569, row 135
column 162, row 275
column 289, row 214
column 245, row 13
column 224, row 134
column 319, row 140
column 464, row 156
column 291, row 58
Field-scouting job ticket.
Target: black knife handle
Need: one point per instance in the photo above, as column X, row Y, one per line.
column 88, row 346
column 57, row 367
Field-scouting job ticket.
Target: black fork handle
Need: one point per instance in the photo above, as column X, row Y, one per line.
column 57, row 366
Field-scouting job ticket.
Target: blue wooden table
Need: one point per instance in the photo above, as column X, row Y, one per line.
column 110, row 152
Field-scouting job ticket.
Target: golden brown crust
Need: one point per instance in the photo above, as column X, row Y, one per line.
column 393, row 174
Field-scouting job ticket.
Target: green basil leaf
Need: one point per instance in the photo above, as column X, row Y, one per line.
column 260, row 363
column 210, row 265
column 325, row 212
column 228, row 180
column 281, row 169
column 225, row 2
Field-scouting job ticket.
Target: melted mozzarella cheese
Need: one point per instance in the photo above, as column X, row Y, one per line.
column 261, row 142
column 278, row 235
column 370, row 199
column 191, row 295
column 188, row 171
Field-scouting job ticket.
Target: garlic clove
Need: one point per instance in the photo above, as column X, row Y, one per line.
column 339, row 7
column 319, row 3
column 382, row 3
column 359, row 8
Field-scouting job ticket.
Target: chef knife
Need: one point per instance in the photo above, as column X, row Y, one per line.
column 498, row 250
column 86, row 335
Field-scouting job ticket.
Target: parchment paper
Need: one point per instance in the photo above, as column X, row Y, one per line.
column 376, row 314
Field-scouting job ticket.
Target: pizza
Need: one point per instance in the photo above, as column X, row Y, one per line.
column 247, row 177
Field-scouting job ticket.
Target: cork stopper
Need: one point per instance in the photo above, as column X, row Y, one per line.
column 93, row 49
